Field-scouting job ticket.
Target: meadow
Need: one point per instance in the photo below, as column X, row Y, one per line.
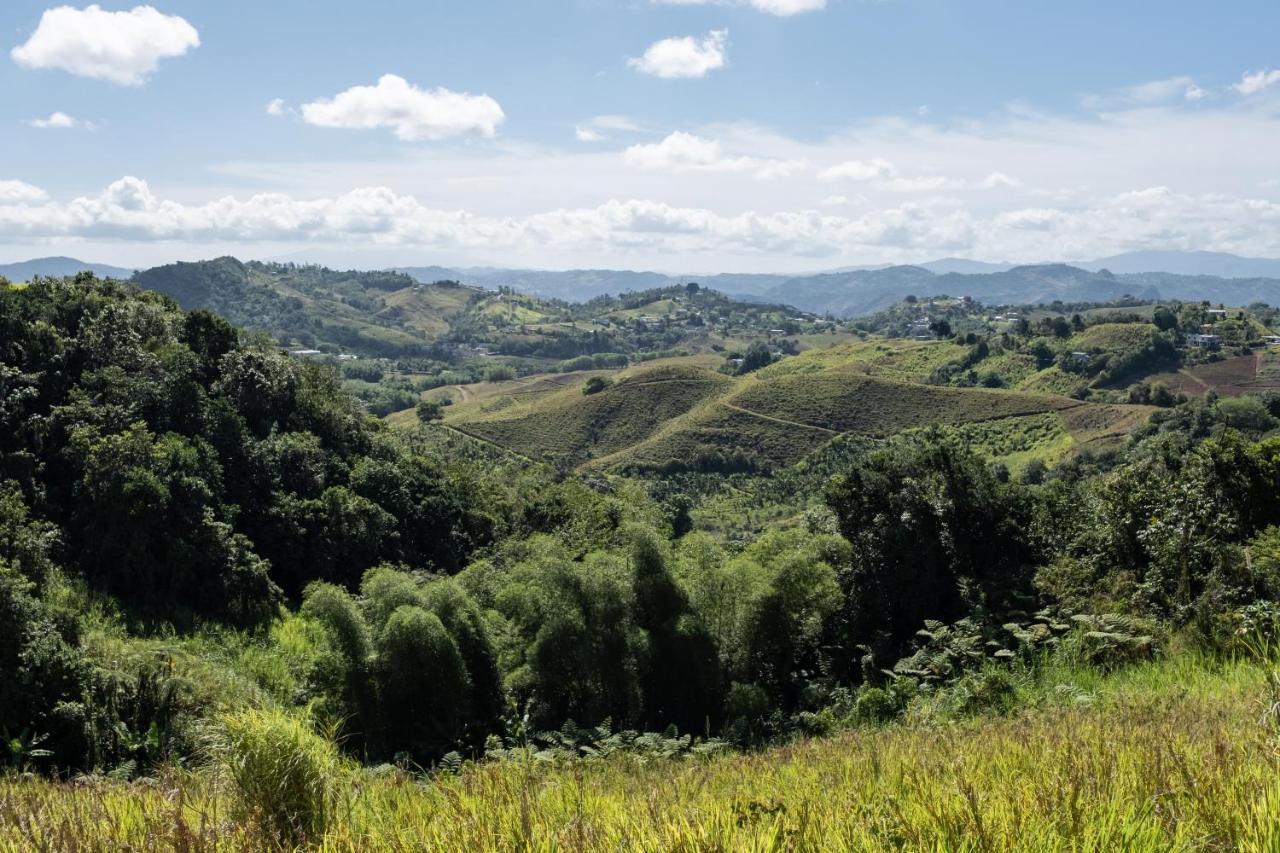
column 1177, row 754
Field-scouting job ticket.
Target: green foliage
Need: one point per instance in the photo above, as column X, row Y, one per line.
column 44, row 676
column 423, row 686
column 573, row 648
column 595, row 384
column 283, row 777
column 935, row 535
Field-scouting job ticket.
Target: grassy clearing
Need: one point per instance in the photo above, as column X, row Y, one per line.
column 568, row 425
column 1112, row 337
column 864, row 405
column 425, row 308
column 1016, row 441
column 1176, row 755
column 905, row 361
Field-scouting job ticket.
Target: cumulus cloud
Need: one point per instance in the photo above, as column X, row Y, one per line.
column 684, row 57
column 1254, row 82
column 20, row 193
column 586, row 134
column 414, row 114
column 683, row 152
column 123, row 47
column 276, row 107
column 782, row 8
column 59, row 121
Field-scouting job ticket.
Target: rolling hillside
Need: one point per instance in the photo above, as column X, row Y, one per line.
column 679, row 417
column 376, row 313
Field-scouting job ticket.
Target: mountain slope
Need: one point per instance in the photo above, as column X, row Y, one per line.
column 59, row 267
column 382, row 313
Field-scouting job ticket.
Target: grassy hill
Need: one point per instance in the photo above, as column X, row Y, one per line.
column 563, row 424
column 676, row 416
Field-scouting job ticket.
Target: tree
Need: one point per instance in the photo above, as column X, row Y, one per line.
column 757, row 356
column 595, row 384
column 1164, row 319
column 429, row 411
column 680, row 675
column 423, row 688
column 935, row 535
column 572, row 650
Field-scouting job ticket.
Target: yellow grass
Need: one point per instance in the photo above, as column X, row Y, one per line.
column 1171, row 757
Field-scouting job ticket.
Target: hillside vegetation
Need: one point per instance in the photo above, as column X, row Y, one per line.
column 669, row 419
column 240, row 611
column 1164, row 758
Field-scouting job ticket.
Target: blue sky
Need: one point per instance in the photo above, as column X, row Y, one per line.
column 681, row 135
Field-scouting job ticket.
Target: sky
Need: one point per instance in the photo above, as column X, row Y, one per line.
column 676, row 135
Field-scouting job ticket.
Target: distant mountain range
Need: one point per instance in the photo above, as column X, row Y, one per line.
column 59, row 267
column 857, row 291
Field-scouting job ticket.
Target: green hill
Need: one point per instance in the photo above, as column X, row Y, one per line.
column 566, row 425
column 373, row 313
column 683, row 418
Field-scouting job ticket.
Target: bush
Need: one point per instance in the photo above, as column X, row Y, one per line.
column 283, row 776
column 595, row 385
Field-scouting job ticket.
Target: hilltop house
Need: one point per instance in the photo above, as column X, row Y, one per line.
column 1204, row 341
column 920, row 330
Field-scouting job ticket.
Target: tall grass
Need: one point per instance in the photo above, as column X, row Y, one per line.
column 1174, row 755
column 282, row 777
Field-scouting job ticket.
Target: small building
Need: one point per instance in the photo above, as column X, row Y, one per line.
column 1204, row 341
column 1272, row 340
column 305, row 353
column 1080, row 357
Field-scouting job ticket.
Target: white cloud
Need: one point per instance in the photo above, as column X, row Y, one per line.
column 586, row 134
column 19, row 192
column 999, row 179
column 129, row 210
column 782, row 8
column 59, row 121
column 884, row 175
column 276, row 107
column 1151, row 93
column 682, row 152
column 123, row 47
column 414, row 114
column 859, row 170
column 684, row 57
column 1254, row 82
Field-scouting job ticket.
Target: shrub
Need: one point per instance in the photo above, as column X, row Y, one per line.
column 282, row 775
column 595, row 385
